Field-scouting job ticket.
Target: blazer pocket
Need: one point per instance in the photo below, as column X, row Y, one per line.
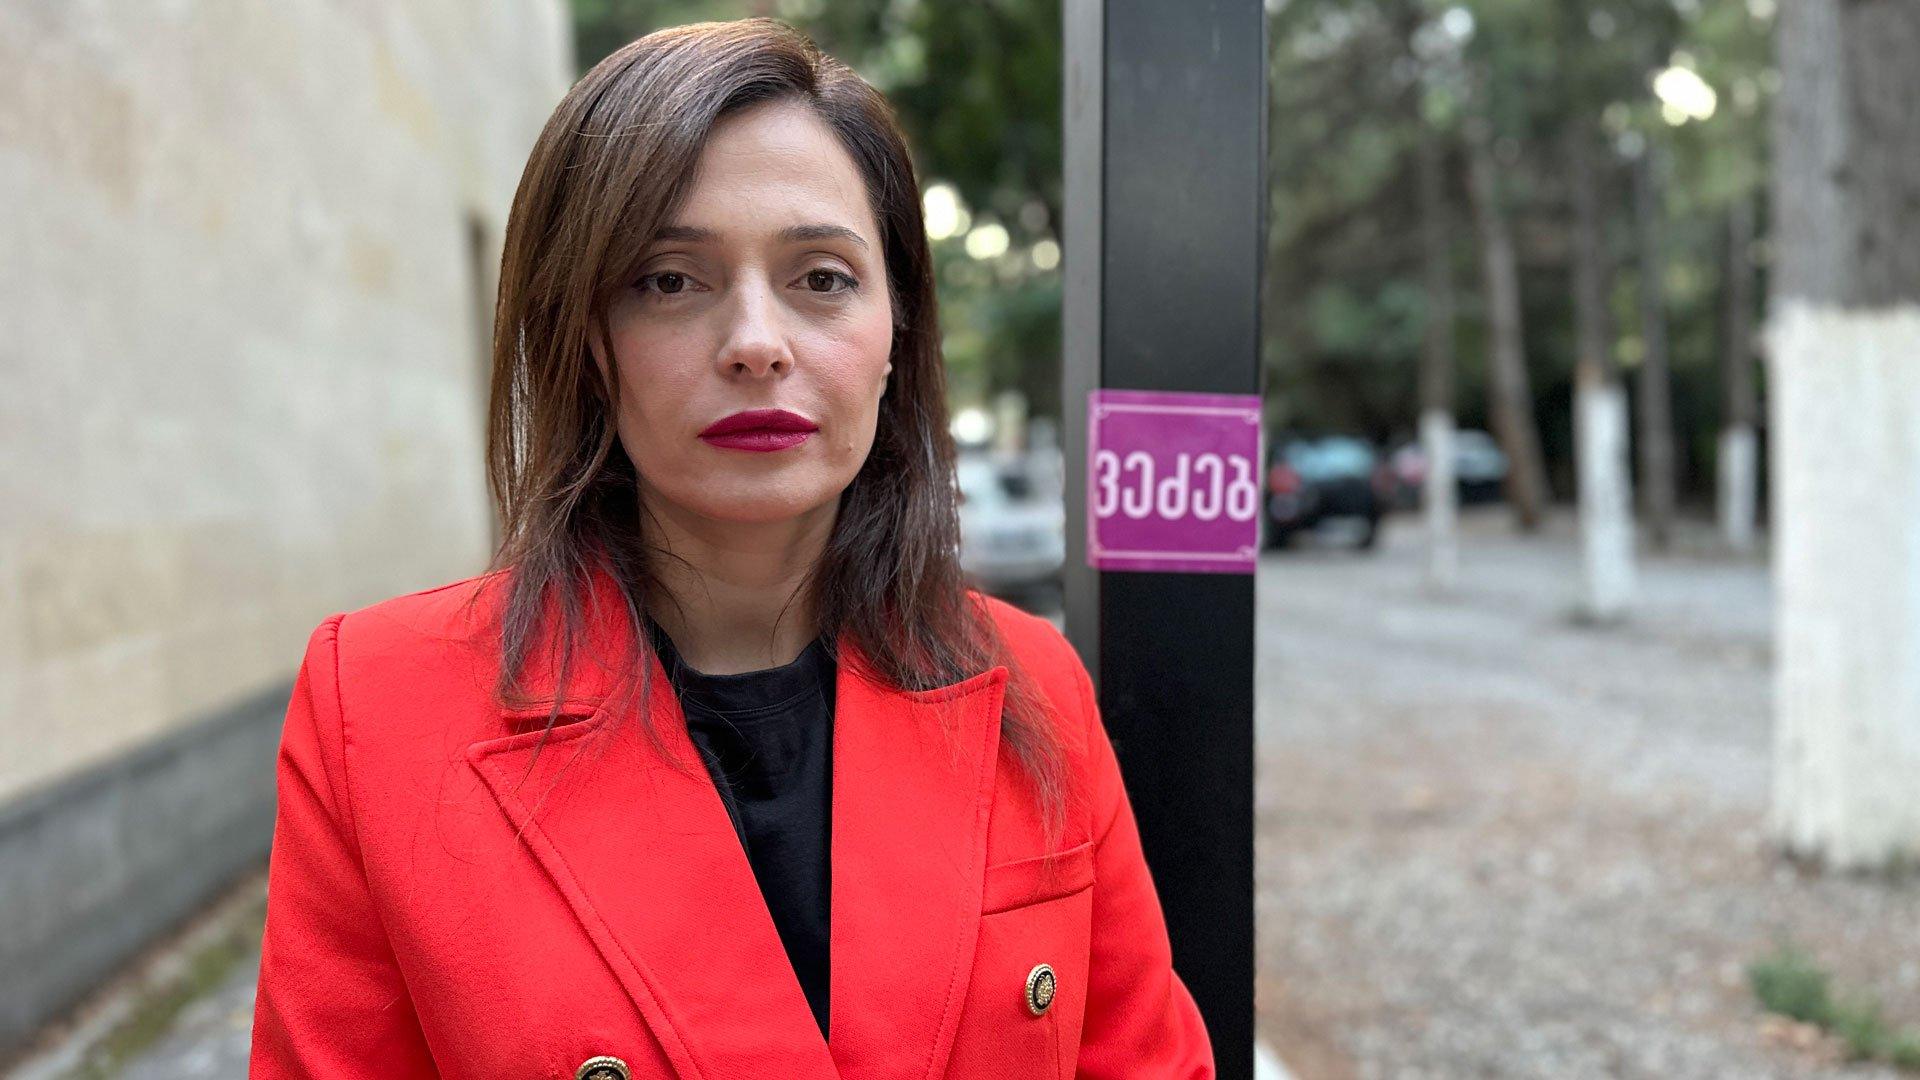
column 1036, row 880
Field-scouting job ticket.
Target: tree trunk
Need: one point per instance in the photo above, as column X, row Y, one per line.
column 1739, row 473
column 1510, row 389
column 1843, row 357
column 1599, row 406
column 1656, row 370
column 1440, row 492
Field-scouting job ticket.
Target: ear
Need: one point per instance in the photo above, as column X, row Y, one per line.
column 602, row 354
column 597, row 347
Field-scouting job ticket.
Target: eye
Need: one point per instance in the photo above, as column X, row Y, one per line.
column 666, row 283
column 822, row 281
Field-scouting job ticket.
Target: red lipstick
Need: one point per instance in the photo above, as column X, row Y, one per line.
column 759, row 430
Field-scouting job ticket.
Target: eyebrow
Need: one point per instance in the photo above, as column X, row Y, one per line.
column 687, row 234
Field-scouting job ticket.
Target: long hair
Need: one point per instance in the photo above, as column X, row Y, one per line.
column 614, row 160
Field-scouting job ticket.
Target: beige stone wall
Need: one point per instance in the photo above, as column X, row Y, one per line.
column 239, row 336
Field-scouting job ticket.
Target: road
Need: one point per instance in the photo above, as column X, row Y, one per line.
column 1496, row 842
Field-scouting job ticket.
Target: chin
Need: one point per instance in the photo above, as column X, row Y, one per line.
column 761, row 506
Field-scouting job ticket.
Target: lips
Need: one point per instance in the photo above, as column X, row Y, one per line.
column 759, row 430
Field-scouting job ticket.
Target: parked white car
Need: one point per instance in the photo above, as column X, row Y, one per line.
column 1013, row 524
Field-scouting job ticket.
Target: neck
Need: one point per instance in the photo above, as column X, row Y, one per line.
column 738, row 598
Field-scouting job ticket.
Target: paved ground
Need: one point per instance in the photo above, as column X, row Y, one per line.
column 1497, row 843
column 209, row 1038
column 182, row 1011
column 1494, row 842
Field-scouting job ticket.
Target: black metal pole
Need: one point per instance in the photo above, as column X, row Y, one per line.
column 1164, row 236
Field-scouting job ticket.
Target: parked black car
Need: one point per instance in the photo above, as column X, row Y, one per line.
column 1313, row 480
column 1479, row 469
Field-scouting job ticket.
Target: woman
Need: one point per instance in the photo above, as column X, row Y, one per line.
column 722, row 772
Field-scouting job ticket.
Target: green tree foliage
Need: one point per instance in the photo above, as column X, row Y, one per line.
column 1353, row 84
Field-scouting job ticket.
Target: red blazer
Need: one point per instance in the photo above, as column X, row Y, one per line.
column 411, row 933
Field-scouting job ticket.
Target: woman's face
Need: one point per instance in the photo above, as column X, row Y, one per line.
column 766, row 290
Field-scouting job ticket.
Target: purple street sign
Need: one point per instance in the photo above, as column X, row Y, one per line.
column 1173, row 481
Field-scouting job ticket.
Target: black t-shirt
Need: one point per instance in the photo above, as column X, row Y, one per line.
column 767, row 737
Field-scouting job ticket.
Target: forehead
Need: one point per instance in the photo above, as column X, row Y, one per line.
column 773, row 165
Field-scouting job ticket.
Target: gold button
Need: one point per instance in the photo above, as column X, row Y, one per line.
column 601, row 1068
column 1040, row 988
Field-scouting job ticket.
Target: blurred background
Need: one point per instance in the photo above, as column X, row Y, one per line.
column 1589, row 640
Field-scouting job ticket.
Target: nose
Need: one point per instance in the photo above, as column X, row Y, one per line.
column 755, row 344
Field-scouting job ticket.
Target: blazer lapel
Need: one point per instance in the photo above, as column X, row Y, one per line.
column 648, row 861
column 912, row 785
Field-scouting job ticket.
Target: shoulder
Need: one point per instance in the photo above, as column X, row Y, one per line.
column 1032, row 640
column 431, row 644
column 455, row 609
column 450, row 616
column 1044, row 655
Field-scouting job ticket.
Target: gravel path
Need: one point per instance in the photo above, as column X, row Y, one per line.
column 1495, row 842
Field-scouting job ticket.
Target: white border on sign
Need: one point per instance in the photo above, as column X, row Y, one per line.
column 1251, row 416
column 1109, row 553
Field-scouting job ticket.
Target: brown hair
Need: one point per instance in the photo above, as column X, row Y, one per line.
column 615, row 158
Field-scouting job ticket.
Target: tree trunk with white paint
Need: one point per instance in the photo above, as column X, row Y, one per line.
column 1509, row 386
column 1440, row 491
column 1606, row 499
column 1600, row 404
column 1738, row 484
column 1844, row 393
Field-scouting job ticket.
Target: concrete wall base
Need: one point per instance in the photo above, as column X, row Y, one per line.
column 94, row 866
